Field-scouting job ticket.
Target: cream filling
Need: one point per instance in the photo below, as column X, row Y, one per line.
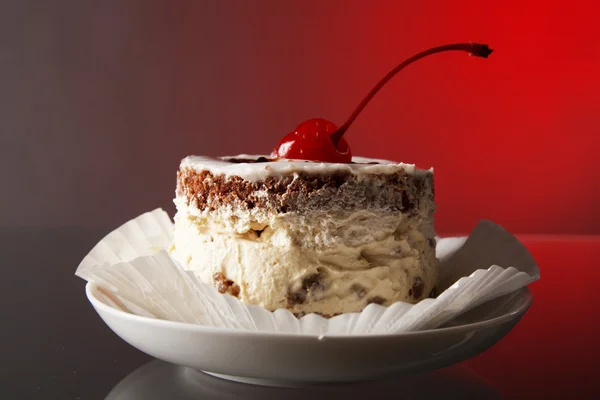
column 327, row 263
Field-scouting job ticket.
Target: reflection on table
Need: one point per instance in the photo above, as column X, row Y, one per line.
column 161, row 380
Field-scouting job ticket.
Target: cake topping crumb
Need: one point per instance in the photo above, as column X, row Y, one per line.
column 417, row 288
column 358, row 290
column 433, row 293
column 225, row 285
column 376, row 300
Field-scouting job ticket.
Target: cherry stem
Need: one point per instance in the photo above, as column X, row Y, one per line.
column 474, row 49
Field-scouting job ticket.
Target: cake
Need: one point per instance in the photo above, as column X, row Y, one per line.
column 311, row 228
column 310, row 237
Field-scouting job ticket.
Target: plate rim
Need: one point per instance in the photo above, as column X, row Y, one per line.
column 91, row 287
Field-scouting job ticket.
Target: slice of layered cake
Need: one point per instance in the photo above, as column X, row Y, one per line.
column 327, row 238
column 311, row 229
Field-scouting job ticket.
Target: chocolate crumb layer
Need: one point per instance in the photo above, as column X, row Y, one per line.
column 304, row 193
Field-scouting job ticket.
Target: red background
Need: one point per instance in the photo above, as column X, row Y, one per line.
column 102, row 101
column 553, row 351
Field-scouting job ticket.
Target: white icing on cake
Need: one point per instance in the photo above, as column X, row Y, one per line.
column 261, row 171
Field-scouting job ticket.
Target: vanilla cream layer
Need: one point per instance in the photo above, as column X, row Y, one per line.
column 325, row 263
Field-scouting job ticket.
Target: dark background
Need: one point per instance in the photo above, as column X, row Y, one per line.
column 99, row 100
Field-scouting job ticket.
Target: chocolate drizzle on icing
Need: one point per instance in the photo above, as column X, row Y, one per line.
column 235, row 160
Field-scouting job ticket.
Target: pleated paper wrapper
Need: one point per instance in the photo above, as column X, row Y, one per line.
column 133, row 271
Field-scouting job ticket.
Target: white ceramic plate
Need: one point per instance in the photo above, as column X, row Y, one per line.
column 280, row 359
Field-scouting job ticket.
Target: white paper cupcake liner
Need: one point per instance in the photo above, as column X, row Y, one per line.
column 135, row 273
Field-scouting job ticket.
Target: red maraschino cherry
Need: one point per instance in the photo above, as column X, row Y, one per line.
column 311, row 140
column 320, row 140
